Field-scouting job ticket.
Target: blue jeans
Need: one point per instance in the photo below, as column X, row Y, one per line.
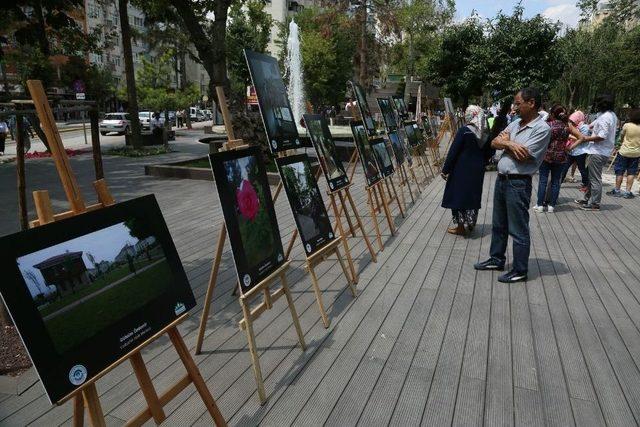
column 580, row 160
column 556, row 176
column 511, row 199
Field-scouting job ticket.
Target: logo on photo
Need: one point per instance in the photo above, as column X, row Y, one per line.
column 308, row 247
column 274, row 143
column 246, row 280
column 331, row 235
column 280, row 257
column 179, row 308
column 331, row 185
column 78, row 375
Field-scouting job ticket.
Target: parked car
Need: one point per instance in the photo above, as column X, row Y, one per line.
column 207, row 114
column 196, row 114
column 145, row 117
column 115, row 122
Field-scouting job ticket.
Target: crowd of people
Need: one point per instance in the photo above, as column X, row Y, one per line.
column 524, row 139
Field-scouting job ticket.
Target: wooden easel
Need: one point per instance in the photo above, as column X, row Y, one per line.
column 263, row 287
column 87, row 395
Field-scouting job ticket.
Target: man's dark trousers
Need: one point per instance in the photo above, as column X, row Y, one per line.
column 511, row 199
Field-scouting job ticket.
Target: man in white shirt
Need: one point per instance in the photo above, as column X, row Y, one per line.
column 599, row 147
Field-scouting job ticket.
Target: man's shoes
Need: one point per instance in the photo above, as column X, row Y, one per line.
column 580, row 202
column 614, row 193
column 628, row 195
column 457, row 230
column 550, row 209
column 490, row 264
column 538, row 209
column 590, row 207
column 512, row 277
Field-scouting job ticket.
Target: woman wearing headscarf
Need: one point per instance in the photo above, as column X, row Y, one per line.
column 578, row 155
column 463, row 170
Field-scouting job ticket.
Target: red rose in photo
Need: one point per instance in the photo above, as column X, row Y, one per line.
column 247, row 200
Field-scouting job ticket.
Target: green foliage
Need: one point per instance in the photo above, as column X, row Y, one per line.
column 138, row 152
column 155, row 89
column 31, row 63
column 602, row 59
column 249, row 27
column 99, row 82
column 328, row 45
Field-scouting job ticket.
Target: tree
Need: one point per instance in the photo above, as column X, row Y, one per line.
column 99, row 83
column 132, row 98
column 249, row 28
column 460, row 63
column 520, row 52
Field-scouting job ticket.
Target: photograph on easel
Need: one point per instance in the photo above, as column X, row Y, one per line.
column 382, row 156
column 405, row 146
column 397, row 146
column 82, row 301
column 401, row 107
column 306, row 202
column 326, row 151
column 363, row 106
column 275, row 109
column 413, row 133
column 371, row 171
column 388, row 115
column 249, row 215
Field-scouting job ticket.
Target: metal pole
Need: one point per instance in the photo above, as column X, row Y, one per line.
column 20, row 171
column 84, row 127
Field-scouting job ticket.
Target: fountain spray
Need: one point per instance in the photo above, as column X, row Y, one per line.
column 293, row 70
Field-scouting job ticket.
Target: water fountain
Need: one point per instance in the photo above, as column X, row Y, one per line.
column 293, row 71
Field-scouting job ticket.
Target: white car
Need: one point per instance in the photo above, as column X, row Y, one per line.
column 145, row 118
column 115, row 122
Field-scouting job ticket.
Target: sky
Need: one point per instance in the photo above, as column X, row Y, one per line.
column 556, row 10
column 104, row 244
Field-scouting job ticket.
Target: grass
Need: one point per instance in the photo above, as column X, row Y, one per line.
column 138, row 152
column 104, row 280
column 85, row 320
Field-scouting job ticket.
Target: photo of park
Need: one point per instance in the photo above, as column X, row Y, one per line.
column 382, row 156
column 365, row 112
column 387, row 113
column 82, row 286
column 272, row 98
column 326, row 150
column 306, row 202
column 413, row 134
column 397, row 146
column 371, row 171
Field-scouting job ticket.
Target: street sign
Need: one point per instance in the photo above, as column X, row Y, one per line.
column 80, row 96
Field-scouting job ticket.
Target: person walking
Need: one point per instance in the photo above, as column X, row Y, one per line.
column 628, row 155
column 599, row 148
column 577, row 156
column 4, row 131
column 463, row 170
column 524, row 143
column 555, row 158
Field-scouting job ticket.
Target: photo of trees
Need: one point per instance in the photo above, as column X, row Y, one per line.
column 326, row 150
column 371, row 171
column 397, row 146
column 382, row 156
column 306, row 201
column 274, row 103
column 363, row 106
column 387, row 113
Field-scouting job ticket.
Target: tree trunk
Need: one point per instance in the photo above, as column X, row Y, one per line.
column 183, row 84
column 362, row 77
column 132, row 98
column 42, row 29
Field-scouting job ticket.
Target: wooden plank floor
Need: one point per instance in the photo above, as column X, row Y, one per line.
column 427, row 341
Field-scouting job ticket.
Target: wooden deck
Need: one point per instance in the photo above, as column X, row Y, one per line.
column 428, row 340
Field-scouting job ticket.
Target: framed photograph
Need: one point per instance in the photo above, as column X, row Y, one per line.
column 306, row 202
column 413, row 133
column 363, row 106
column 325, row 148
column 85, row 291
column 275, row 109
column 247, row 207
column 388, row 115
column 401, row 107
column 367, row 158
column 397, row 146
column 448, row 106
column 381, row 153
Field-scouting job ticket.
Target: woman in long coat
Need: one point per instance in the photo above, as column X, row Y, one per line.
column 463, row 170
